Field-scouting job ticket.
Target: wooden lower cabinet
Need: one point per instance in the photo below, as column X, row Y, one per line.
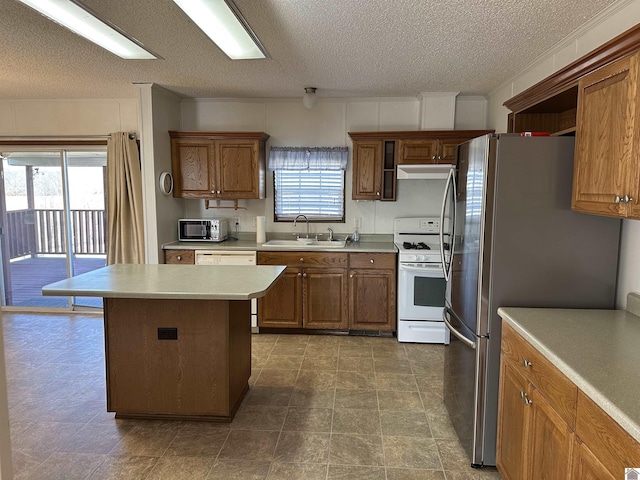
column 550, row 441
column 372, row 291
column 333, row 291
column 312, row 293
column 282, row 306
column 512, row 423
column 180, row 257
column 325, row 303
column 548, row 428
column 585, row 465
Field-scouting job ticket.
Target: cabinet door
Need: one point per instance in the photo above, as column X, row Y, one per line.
column 193, row 167
column 281, row 307
column 418, row 151
column 448, row 149
column 372, row 299
column 550, row 442
column 325, row 298
column 237, row 169
column 367, row 170
column 605, row 155
column 512, row 423
column 586, row 466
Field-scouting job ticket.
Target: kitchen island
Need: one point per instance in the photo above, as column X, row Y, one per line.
column 177, row 337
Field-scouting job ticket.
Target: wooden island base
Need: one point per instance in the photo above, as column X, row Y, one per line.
column 177, row 358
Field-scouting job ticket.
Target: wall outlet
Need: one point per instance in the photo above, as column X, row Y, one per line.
column 357, row 222
column 236, row 220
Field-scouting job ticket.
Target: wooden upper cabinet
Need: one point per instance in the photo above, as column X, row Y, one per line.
column 430, row 151
column 192, row 167
column 377, row 154
column 222, row 165
column 418, row 151
column 605, row 178
column 238, row 169
column 367, row 170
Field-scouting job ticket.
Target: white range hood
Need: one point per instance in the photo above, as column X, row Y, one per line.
column 424, row 171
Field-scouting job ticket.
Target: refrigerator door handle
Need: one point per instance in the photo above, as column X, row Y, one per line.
column 452, row 329
column 451, row 183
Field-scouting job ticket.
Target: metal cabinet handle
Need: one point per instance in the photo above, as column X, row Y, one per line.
column 434, row 157
column 526, row 363
column 378, row 193
column 299, row 274
column 301, row 259
column 304, row 275
column 372, row 260
column 352, row 275
column 179, row 258
column 218, row 192
column 626, row 199
column 525, row 397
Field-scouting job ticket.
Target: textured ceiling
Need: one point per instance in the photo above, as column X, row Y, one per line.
column 345, row 48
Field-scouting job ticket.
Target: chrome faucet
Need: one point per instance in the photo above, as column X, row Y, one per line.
column 330, row 233
column 295, row 221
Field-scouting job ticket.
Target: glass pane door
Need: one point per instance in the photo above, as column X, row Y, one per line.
column 52, row 215
column 88, row 223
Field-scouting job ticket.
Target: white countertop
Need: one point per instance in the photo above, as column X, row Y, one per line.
column 598, row 350
column 195, row 282
column 371, row 244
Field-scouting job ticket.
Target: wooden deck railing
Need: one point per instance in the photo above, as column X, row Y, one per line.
column 41, row 231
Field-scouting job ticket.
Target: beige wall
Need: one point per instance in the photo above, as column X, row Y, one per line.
column 68, row 117
column 159, row 113
column 289, row 124
column 619, row 17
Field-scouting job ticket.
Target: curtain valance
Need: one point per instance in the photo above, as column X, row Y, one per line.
column 308, row 158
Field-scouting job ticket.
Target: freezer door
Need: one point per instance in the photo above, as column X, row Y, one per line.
column 470, row 204
column 464, row 386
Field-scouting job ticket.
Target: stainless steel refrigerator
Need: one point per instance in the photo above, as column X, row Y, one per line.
column 511, row 239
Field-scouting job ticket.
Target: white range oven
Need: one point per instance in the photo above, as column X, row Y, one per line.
column 421, row 282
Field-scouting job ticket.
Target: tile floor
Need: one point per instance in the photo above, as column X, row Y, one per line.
column 320, row 407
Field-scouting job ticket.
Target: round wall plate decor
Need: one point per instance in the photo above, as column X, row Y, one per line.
column 166, row 183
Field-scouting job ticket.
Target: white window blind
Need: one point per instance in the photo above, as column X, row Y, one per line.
column 309, row 181
column 318, row 194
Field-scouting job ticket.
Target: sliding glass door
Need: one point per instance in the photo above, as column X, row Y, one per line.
column 52, row 215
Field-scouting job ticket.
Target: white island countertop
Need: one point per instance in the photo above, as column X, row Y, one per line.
column 598, row 350
column 192, row 282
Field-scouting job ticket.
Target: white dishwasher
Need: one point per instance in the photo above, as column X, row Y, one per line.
column 231, row 257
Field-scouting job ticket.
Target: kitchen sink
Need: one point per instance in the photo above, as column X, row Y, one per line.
column 305, row 244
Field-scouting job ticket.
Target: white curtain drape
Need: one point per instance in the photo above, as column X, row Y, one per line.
column 308, row 158
column 125, row 228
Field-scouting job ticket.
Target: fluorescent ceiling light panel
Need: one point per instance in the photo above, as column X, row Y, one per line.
column 80, row 20
column 222, row 22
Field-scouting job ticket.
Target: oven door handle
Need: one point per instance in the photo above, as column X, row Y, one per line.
column 429, row 269
column 453, row 330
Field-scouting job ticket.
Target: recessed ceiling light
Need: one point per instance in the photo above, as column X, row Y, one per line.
column 79, row 19
column 223, row 23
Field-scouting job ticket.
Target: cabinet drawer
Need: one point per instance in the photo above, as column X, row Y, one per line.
column 186, row 257
column 608, row 441
column 303, row 259
column 559, row 391
column 372, row 260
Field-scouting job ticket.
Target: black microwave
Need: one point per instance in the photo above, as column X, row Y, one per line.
column 202, row 230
